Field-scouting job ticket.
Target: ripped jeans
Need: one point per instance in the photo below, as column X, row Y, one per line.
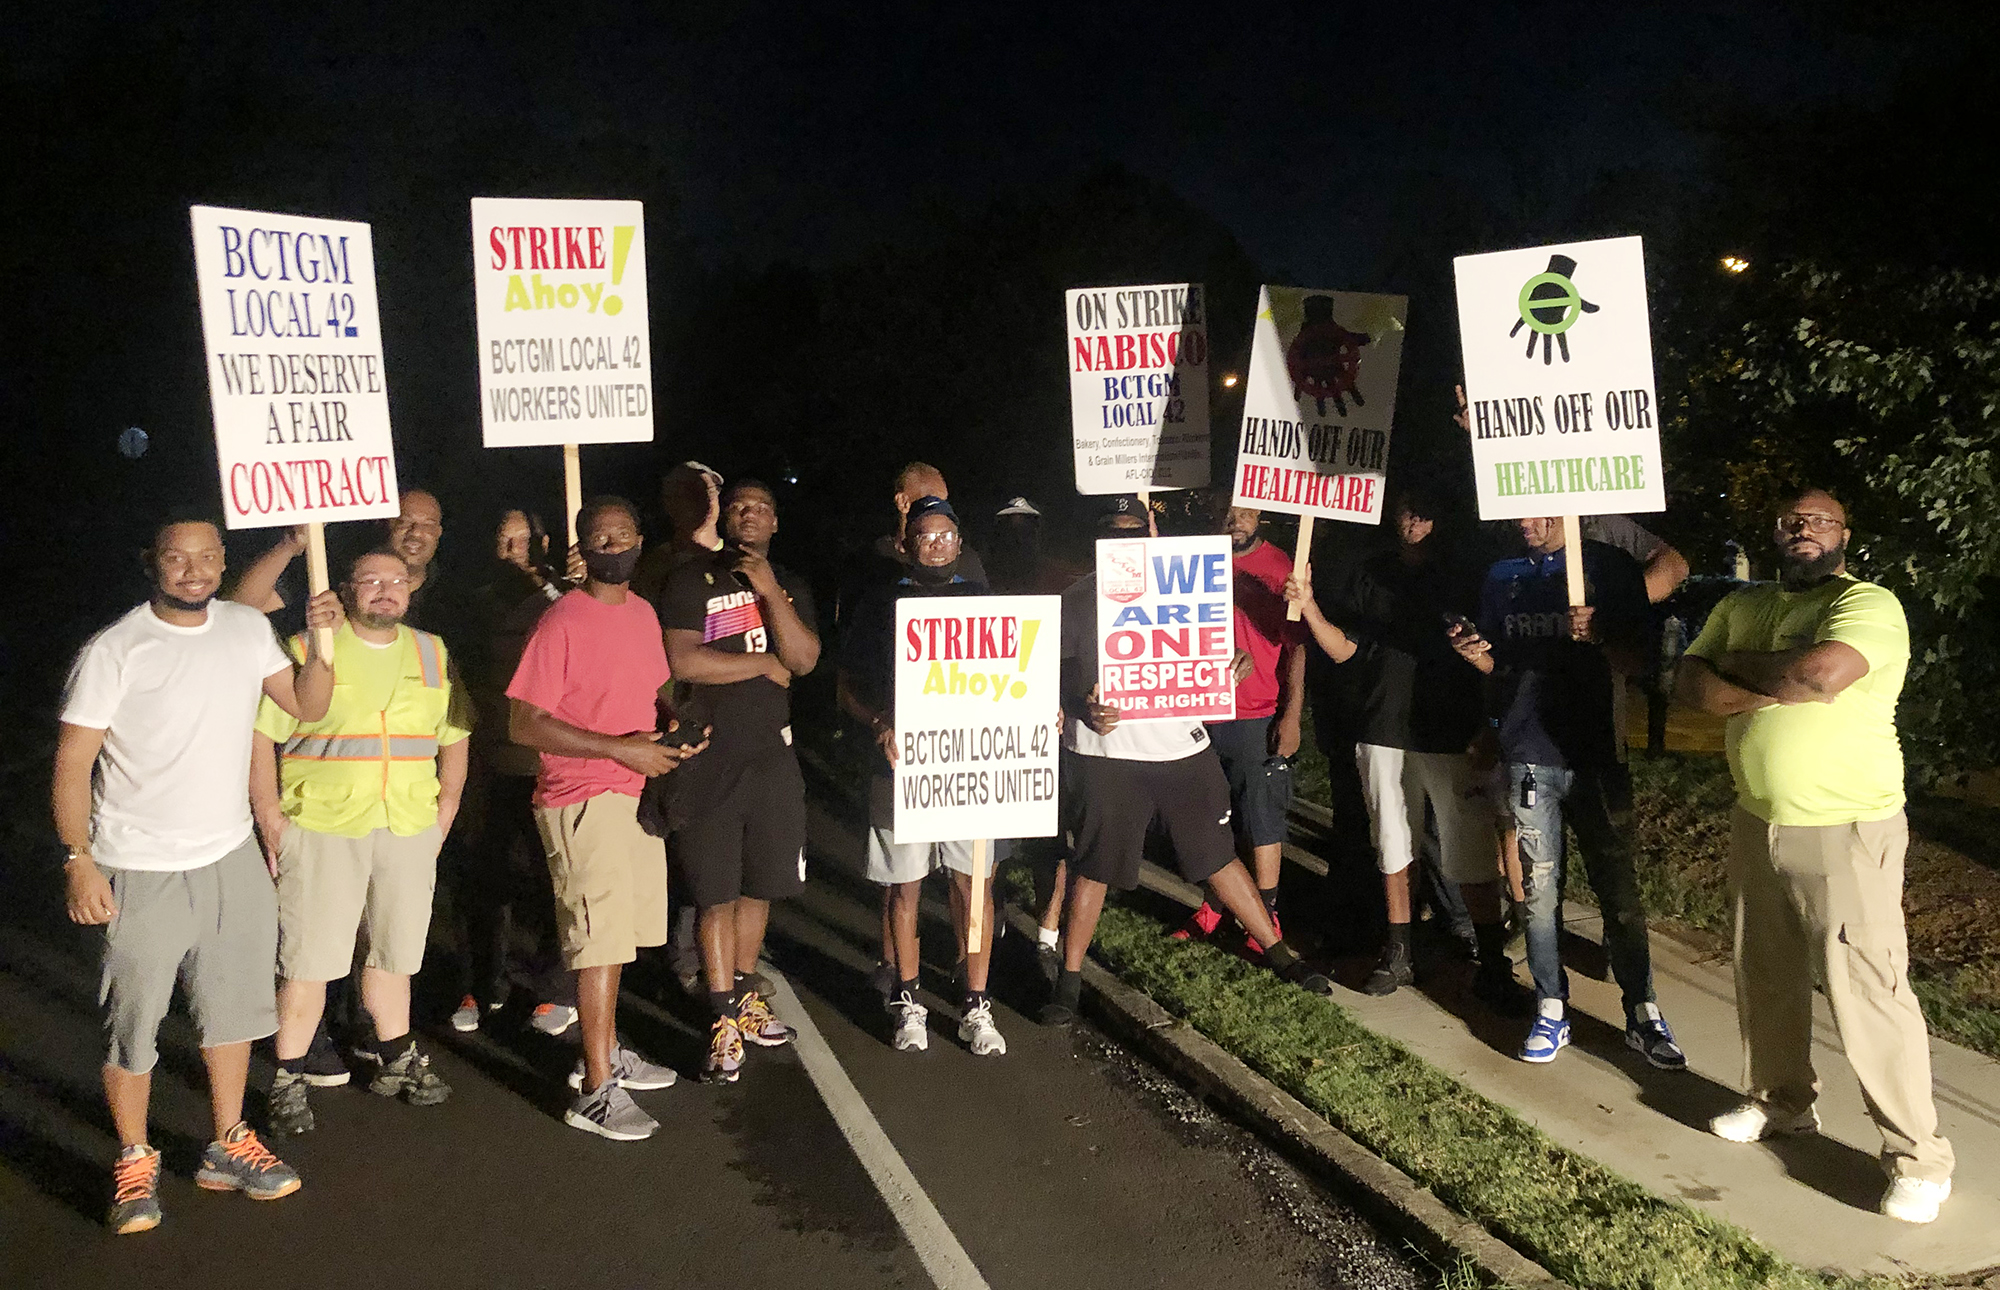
column 1597, row 803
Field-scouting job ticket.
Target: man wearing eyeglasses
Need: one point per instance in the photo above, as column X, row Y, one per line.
column 1808, row 671
column 351, row 825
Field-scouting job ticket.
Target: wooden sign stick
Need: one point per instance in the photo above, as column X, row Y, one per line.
column 1573, row 559
column 1300, row 558
column 572, row 488
column 316, row 582
column 975, row 919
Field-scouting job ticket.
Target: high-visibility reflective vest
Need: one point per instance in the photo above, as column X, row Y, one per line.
column 366, row 765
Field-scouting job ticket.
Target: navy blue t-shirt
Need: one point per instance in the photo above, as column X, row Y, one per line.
column 1552, row 695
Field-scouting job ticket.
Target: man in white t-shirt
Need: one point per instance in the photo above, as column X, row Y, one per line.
column 160, row 704
column 1122, row 775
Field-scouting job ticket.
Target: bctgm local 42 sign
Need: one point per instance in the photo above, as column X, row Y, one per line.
column 1559, row 380
column 295, row 375
column 976, row 702
column 1138, row 387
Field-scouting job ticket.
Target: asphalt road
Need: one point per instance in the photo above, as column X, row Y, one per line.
column 1066, row 1163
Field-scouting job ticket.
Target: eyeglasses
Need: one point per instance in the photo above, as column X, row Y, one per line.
column 1799, row 521
column 376, row 584
column 936, row 539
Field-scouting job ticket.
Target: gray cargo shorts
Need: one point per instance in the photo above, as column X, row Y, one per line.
column 213, row 929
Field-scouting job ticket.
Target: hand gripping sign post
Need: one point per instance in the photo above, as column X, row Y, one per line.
column 976, row 738
column 1317, row 413
column 1559, row 384
column 295, row 374
column 565, row 356
column 1138, row 388
column 1166, row 628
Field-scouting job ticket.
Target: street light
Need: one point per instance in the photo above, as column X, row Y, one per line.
column 1229, row 380
column 1734, row 264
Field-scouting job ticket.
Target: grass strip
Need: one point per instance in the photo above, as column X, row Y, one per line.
column 1583, row 1222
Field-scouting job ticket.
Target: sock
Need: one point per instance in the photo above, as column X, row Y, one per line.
column 1069, row 988
column 722, row 1002
column 1399, row 936
column 1280, row 956
column 974, row 998
column 1492, row 938
column 1050, row 936
column 1270, row 895
column 391, row 1049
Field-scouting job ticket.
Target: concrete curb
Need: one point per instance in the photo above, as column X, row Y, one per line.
column 1380, row 1190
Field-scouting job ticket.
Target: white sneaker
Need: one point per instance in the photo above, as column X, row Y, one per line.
column 1914, row 1200
column 976, row 1029
column 1753, row 1122
column 552, row 1018
column 912, row 1034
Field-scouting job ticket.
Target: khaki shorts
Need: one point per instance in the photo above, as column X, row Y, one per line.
column 610, row 879
column 334, row 892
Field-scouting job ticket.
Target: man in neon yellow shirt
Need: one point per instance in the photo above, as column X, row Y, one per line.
column 352, row 829
column 1808, row 672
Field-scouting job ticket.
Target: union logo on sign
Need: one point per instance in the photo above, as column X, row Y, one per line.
column 1124, row 571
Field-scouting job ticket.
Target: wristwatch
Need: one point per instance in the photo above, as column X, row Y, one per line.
column 75, row 854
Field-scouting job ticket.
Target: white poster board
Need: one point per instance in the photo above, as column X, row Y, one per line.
column 565, row 355
column 977, row 693
column 1166, row 625
column 1559, row 380
column 1321, row 399
column 293, row 346
column 1138, row 387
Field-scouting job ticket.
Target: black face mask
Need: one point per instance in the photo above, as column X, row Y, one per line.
column 933, row 575
column 614, row 568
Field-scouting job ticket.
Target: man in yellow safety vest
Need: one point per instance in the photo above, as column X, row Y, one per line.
column 351, row 829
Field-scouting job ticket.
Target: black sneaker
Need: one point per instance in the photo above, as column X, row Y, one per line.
column 1058, row 1015
column 410, row 1077
column 1393, row 971
column 322, row 1065
column 1493, row 984
column 288, row 1110
column 1302, row 975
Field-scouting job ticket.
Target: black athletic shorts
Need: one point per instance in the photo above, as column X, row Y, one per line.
column 751, row 841
column 1117, row 800
column 1260, row 784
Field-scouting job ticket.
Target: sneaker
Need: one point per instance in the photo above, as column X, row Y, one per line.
column 411, row 1078
column 288, row 1111
column 725, row 1053
column 1755, row 1121
column 754, row 981
column 1646, row 1032
column 1914, row 1200
column 1496, row 987
column 759, row 1024
column 135, row 1191
column 912, row 1035
column 322, row 1066
column 1057, row 1015
column 1548, row 1036
column 241, row 1163
column 552, row 1018
column 1392, row 972
column 1250, row 945
column 630, row 1070
column 1200, row 924
column 977, row 1031
column 609, row 1112
column 466, row 1018
column 1302, row 975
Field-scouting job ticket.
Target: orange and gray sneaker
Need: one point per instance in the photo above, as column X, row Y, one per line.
column 239, row 1162
column 1200, row 924
column 135, row 1191
column 725, row 1052
column 759, row 1024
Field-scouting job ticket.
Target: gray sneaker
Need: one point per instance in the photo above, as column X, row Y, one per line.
column 610, row 1112
column 289, row 1112
column 630, row 1070
column 411, row 1078
column 239, row 1162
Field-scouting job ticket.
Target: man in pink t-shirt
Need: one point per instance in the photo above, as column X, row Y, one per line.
column 1256, row 748
column 586, row 696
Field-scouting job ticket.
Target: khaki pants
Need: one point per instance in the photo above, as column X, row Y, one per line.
column 1825, row 903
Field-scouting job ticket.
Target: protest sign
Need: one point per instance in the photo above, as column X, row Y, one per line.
column 295, row 374
column 1138, row 387
column 1559, row 380
column 977, row 694
column 1321, row 398
column 1166, row 628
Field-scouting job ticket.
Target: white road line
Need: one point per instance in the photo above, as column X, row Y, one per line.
column 950, row 1267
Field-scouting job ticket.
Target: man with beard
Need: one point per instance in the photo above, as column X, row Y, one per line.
column 1550, row 666
column 587, row 697
column 1808, row 672
column 738, row 629
column 868, row 694
column 1257, row 747
column 414, row 535
column 160, row 706
column 368, row 794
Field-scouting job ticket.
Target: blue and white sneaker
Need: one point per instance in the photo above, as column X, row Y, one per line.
column 1549, row 1036
column 1646, row 1031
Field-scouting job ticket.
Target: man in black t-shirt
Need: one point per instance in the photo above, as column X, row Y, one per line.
column 738, row 629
